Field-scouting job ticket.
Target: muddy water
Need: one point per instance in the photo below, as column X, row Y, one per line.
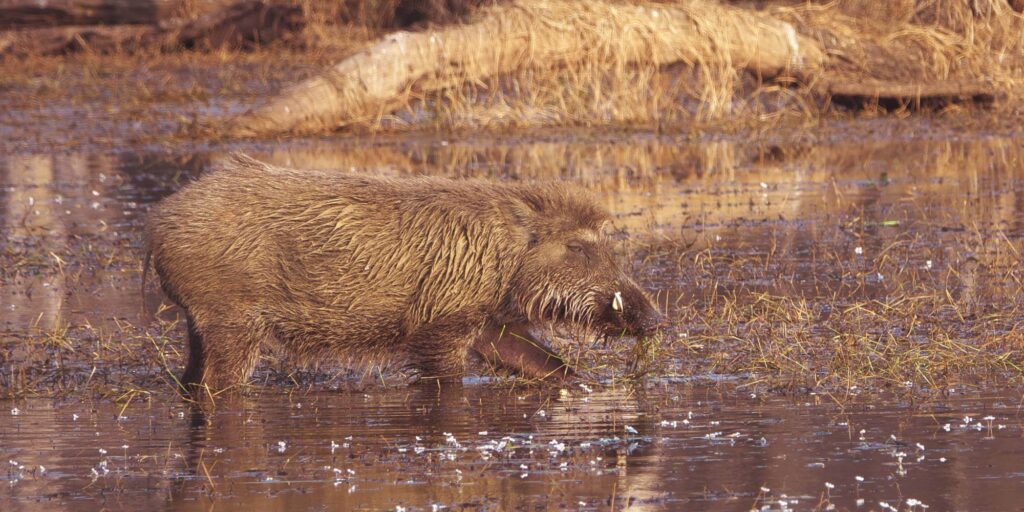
column 497, row 448
column 848, row 221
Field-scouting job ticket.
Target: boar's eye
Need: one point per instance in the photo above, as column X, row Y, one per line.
column 575, row 247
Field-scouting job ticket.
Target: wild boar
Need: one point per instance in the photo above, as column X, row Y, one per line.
column 419, row 271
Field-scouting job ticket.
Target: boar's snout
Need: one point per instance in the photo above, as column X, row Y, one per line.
column 630, row 312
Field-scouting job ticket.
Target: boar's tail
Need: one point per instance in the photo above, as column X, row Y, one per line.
column 142, row 290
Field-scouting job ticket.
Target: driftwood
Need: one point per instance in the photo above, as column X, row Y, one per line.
column 244, row 24
column 530, row 33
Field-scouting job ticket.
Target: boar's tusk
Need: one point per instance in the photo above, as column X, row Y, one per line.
column 617, row 302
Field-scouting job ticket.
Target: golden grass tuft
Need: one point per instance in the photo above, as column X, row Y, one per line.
column 543, row 62
column 636, row 72
column 619, row 81
column 889, row 321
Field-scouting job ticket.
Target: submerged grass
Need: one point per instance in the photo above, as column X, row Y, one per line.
column 923, row 342
column 906, row 342
column 895, row 320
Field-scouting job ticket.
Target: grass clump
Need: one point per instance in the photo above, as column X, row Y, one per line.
column 907, row 342
column 895, row 320
column 659, row 64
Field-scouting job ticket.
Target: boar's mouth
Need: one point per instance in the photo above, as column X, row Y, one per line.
column 622, row 313
column 629, row 313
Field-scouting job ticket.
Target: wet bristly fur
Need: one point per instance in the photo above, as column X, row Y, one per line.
column 337, row 266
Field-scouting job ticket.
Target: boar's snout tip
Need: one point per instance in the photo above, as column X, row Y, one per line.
column 637, row 314
column 651, row 323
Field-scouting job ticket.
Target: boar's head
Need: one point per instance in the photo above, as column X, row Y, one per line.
column 569, row 272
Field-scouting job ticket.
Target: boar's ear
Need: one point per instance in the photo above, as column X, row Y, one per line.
column 526, row 212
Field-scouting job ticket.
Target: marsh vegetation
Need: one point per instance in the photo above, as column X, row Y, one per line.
column 841, row 267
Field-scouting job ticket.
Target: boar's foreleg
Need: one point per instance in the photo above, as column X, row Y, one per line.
column 513, row 347
column 221, row 355
column 438, row 349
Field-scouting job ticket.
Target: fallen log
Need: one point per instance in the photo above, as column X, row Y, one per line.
column 531, row 33
column 865, row 92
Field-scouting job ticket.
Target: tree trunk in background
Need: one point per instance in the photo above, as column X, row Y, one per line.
column 242, row 25
column 53, row 13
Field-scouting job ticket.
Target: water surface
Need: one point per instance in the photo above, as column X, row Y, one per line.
column 489, row 447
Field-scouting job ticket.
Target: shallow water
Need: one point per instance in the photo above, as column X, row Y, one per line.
column 497, row 448
column 797, row 209
column 829, row 224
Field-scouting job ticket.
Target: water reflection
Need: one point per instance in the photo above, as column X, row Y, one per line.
column 63, row 223
column 500, row 449
column 799, row 209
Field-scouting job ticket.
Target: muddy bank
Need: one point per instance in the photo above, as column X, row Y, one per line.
column 114, row 105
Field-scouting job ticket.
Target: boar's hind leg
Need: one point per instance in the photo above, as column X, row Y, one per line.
column 194, row 368
column 512, row 347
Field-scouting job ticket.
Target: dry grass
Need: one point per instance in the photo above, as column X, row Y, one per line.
column 548, row 62
column 154, row 97
column 905, row 42
column 918, row 40
column 897, row 342
column 917, row 338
